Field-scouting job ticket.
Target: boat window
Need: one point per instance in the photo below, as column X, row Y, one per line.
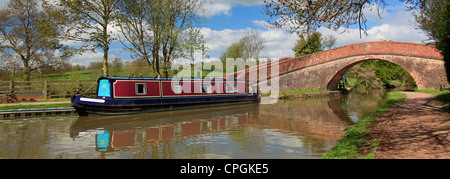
column 206, row 88
column 177, row 88
column 141, row 89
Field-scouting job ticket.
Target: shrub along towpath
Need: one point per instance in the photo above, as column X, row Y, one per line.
column 418, row 128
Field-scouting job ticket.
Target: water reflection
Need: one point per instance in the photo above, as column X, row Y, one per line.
column 356, row 105
column 288, row 129
column 166, row 129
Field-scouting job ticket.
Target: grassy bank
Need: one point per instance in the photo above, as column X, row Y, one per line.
column 443, row 96
column 19, row 106
column 350, row 146
column 30, row 105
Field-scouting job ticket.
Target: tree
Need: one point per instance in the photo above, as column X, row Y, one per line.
column 134, row 23
column 90, row 22
column 250, row 46
column 366, row 78
column 311, row 44
column 253, row 45
column 388, row 72
column 116, row 66
column 235, row 50
column 328, row 41
column 434, row 19
column 155, row 29
column 306, row 16
column 192, row 45
column 33, row 35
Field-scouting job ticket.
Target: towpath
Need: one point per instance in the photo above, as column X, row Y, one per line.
column 418, row 128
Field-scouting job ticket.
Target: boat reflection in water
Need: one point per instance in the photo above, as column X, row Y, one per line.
column 115, row 132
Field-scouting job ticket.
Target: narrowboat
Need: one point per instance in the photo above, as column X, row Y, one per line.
column 128, row 95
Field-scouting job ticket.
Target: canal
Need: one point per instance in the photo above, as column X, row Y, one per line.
column 291, row 129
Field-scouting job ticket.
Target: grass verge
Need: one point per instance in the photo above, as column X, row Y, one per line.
column 354, row 143
column 35, row 106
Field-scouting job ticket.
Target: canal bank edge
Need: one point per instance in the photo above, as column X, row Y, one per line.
column 305, row 94
column 356, row 144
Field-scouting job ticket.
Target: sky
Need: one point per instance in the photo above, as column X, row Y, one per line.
column 229, row 20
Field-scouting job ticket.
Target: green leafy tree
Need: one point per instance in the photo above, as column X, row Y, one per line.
column 155, row 29
column 311, row 44
column 235, row 50
column 434, row 19
column 366, row 78
column 389, row 72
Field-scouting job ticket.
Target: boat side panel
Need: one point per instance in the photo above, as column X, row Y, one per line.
column 190, row 88
column 127, row 89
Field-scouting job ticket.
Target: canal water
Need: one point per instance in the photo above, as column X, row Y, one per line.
column 291, row 129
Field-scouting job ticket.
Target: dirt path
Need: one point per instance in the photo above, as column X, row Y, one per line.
column 418, row 128
column 34, row 103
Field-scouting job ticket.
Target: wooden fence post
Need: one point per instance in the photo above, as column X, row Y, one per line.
column 11, row 87
column 10, row 95
column 45, row 90
column 77, row 88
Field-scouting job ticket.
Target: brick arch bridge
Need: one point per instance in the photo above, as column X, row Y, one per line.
column 323, row 70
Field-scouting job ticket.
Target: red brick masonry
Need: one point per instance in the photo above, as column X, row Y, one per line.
column 324, row 69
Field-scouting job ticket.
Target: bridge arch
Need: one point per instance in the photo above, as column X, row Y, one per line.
column 397, row 60
column 324, row 69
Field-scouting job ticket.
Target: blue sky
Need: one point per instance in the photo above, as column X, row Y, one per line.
column 228, row 20
column 240, row 17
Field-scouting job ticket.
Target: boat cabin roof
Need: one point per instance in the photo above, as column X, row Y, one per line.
column 164, row 79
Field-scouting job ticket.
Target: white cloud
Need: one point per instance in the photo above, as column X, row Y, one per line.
column 278, row 42
column 399, row 28
column 261, row 23
column 4, row 3
column 113, row 31
column 218, row 9
column 86, row 58
column 219, row 40
column 223, row 7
